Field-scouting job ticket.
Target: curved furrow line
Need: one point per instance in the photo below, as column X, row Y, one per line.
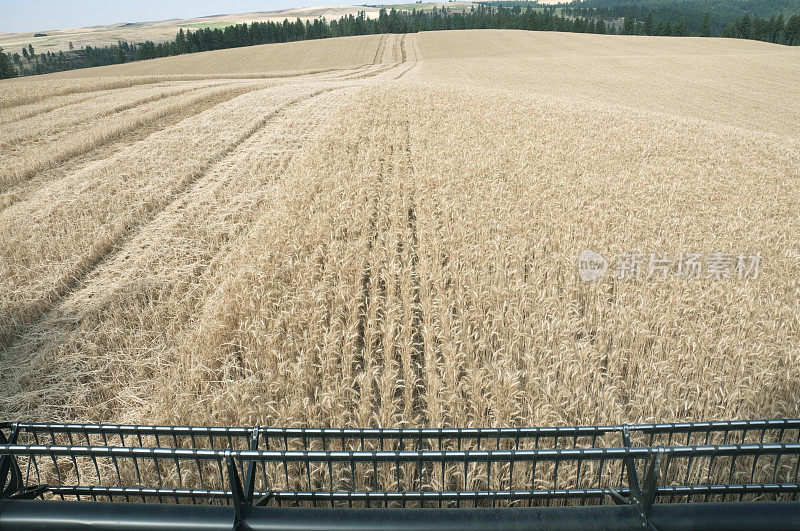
column 367, row 71
column 379, row 52
column 380, row 70
column 25, row 133
column 25, row 190
column 397, row 49
column 416, row 61
column 56, row 102
column 29, row 166
column 354, row 71
column 81, row 86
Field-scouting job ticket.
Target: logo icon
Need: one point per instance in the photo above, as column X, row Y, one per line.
column 591, row 265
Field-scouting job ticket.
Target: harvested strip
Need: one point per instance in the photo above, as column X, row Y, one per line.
column 23, row 162
column 21, row 112
column 20, row 92
column 80, row 115
column 24, row 190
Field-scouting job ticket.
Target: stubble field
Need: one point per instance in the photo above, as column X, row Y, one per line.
column 384, row 231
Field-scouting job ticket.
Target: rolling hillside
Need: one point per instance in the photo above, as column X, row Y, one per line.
column 384, row 231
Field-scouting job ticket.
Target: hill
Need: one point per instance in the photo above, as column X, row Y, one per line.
column 165, row 30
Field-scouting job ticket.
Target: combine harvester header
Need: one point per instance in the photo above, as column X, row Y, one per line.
column 718, row 475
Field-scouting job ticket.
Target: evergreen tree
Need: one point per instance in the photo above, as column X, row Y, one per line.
column 745, row 27
column 792, row 31
column 780, row 26
column 760, row 29
column 71, row 47
column 729, row 31
column 6, row 66
column 627, row 25
column 30, row 50
column 25, row 53
column 681, row 30
column 648, row 24
column 180, row 41
column 600, row 26
column 705, row 26
column 775, row 28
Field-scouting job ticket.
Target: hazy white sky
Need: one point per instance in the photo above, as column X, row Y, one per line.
column 42, row 15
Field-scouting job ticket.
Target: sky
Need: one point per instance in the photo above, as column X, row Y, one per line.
column 42, row 15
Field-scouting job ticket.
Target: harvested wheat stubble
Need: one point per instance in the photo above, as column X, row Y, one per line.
column 346, row 249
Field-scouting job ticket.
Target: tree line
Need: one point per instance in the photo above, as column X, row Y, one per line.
column 761, row 29
column 721, row 12
column 569, row 18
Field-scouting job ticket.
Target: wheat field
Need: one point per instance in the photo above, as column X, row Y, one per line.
column 384, row 231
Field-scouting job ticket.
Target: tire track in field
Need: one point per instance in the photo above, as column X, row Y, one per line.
column 373, row 73
column 359, row 360
column 379, row 51
column 391, row 64
column 24, row 189
column 387, row 67
column 417, row 336
column 365, row 72
column 18, row 175
column 406, row 71
column 354, row 71
column 132, row 81
column 97, row 87
column 399, row 55
column 77, row 278
column 414, row 43
column 424, row 472
column 397, row 49
column 48, row 108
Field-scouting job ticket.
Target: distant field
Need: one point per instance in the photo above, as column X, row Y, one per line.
column 427, row 6
column 210, row 25
column 266, row 59
column 161, row 31
column 384, row 231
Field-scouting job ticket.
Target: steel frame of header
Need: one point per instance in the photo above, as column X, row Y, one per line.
column 746, row 474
